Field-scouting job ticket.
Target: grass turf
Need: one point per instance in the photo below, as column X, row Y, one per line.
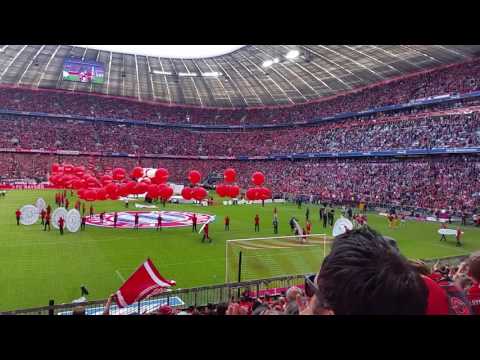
column 37, row 266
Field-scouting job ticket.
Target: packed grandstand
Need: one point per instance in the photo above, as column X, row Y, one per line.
column 410, row 142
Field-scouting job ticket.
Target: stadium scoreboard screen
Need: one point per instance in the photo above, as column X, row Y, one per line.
column 83, row 71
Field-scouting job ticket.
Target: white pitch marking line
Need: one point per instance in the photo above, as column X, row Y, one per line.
column 120, row 275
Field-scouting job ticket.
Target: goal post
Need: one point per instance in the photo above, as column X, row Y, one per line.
column 256, row 258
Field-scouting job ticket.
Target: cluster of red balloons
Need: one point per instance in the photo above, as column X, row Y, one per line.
column 258, row 192
column 196, row 192
column 227, row 190
column 110, row 187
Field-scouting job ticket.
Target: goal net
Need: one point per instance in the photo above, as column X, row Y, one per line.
column 256, row 258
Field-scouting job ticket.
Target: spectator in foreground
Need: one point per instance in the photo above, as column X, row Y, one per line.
column 365, row 275
column 474, row 290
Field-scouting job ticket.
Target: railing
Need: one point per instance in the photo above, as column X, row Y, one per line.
column 195, row 297
column 181, row 298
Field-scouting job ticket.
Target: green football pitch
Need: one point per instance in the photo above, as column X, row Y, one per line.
column 37, row 266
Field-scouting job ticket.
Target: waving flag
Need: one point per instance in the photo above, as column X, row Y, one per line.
column 144, row 282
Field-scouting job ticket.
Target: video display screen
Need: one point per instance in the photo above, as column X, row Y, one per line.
column 83, row 71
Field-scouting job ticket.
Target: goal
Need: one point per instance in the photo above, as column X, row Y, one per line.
column 256, row 258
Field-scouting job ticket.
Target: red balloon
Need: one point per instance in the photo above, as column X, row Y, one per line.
column 55, row 168
column 113, row 197
column 130, row 186
column 187, row 193
column 221, row 190
column 101, row 194
column 106, row 179
column 90, row 195
column 67, row 168
column 258, row 178
column 111, row 189
column 161, row 175
column 118, row 174
column 199, row 193
column 252, row 194
column 79, row 170
column 81, row 193
column 194, row 177
column 123, row 190
column 264, row 194
column 233, row 191
column 92, row 182
column 166, row 192
column 141, row 188
column 229, row 175
column 137, row 172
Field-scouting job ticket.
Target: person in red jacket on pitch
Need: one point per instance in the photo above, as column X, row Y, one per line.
column 257, row 223
column 18, row 213
column 205, row 233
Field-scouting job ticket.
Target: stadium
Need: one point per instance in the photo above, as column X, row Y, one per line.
column 251, row 180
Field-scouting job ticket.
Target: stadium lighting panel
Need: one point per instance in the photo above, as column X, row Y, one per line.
column 158, row 72
column 211, row 74
column 267, row 63
column 292, row 54
column 276, row 60
column 187, row 74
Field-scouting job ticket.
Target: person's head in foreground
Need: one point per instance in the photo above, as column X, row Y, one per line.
column 365, row 275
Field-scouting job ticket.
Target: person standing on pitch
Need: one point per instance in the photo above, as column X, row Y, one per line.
column 115, row 218
column 194, row 222
column 275, row 224
column 325, row 219
column 43, row 213
column 320, row 212
column 159, row 222
column 205, row 233
column 257, row 223
column 458, row 236
column 227, row 223
column 67, row 203
column 331, row 216
column 18, row 213
column 84, row 221
column 61, row 222
column 126, row 202
column 443, row 238
column 102, row 215
column 91, row 210
column 47, row 221
column 136, row 220
column 309, row 227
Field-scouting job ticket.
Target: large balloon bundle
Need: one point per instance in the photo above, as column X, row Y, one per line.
column 258, row 192
column 111, row 186
column 228, row 189
column 195, row 192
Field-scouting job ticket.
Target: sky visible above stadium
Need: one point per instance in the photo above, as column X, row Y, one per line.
column 170, row 51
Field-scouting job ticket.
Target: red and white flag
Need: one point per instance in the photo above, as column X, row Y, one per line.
column 144, row 282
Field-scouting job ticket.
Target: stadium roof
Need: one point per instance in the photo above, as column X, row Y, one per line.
column 253, row 75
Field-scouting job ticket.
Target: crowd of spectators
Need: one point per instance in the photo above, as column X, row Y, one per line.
column 365, row 273
column 429, row 182
column 447, row 128
column 460, row 78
